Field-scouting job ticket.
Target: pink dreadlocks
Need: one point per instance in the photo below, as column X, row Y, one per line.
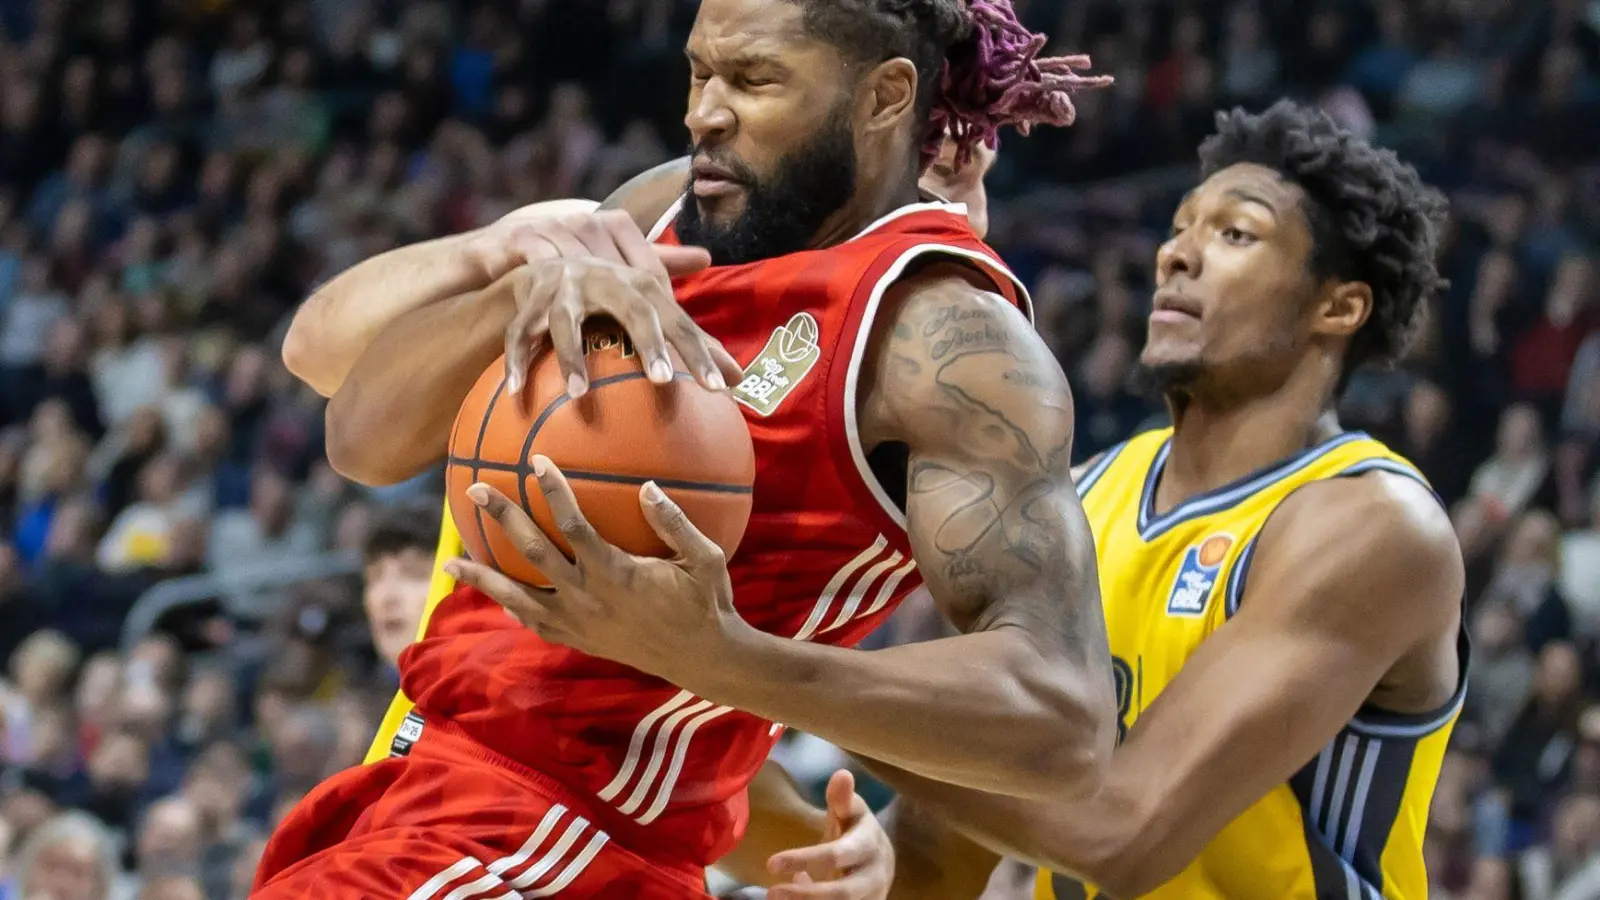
column 994, row 78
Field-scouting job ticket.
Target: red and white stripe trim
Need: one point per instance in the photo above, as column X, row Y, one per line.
column 539, row 868
column 679, row 718
column 877, row 566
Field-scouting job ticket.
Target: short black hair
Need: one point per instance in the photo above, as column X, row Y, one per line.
column 1372, row 218
column 402, row 527
column 871, row 31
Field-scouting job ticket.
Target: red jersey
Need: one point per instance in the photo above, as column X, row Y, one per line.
column 825, row 557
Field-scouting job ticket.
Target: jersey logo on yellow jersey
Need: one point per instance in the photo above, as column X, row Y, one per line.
column 1191, row 590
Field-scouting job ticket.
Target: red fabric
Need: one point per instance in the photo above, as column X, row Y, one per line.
column 819, row 547
column 452, row 821
column 661, row 771
column 1541, row 360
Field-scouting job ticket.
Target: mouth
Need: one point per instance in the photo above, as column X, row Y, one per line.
column 1172, row 306
column 710, row 180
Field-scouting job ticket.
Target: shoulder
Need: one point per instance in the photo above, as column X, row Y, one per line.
column 1377, row 546
column 647, row 196
column 942, row 331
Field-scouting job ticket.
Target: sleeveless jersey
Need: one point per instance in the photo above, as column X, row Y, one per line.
column 1350, row 823
column 825, row 558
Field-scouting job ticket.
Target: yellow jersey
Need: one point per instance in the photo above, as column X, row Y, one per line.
column 450, row 547
column 1350, row 823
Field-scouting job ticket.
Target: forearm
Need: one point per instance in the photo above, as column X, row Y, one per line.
column 343, row 317
column 780, row 819
column 932, row 860
column 391, row 418
column 1089, row 838
column 1027, row 722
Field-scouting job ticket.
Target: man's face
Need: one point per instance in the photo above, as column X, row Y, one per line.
column 395, row 594
column 1233, row 283
column 65, row 870
column 771, row 118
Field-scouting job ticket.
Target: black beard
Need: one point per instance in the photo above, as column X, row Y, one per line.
column 1167, row 381
column 782, row 213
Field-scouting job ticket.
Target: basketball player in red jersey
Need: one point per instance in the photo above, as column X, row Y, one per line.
column 337, row 323
column 871, row 328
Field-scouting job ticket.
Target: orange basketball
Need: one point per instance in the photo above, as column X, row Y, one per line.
column 625, row 431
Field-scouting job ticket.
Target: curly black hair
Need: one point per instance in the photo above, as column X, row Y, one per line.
column 1372, row 218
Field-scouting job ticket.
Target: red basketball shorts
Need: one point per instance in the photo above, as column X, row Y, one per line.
column 453, row 821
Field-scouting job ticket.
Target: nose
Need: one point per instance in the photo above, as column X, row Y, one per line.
column 709, row 119
column 1179, row 255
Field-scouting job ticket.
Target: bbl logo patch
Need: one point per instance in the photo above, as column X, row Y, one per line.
column 1198, row 576
column 787, row 358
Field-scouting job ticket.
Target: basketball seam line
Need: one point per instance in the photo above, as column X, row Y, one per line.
column 544, row 416
column 477, row 454
column 523, row 470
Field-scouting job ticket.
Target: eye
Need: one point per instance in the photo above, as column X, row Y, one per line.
column 1238, row 237
column 1176, row 230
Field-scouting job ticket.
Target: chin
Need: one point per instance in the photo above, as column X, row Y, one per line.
column 1160, row 376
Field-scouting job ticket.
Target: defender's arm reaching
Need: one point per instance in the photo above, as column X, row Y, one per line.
column 959, row 378
column 1320, row 627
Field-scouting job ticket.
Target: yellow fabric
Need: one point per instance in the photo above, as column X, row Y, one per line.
column 1167, row 583
column 449, row 548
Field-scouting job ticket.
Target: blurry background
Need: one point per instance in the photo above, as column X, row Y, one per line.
column 181, row 623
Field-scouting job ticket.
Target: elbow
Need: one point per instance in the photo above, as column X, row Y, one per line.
column 1076, row 718
column 358, row 452
column 1081, row 760
column 300, row 354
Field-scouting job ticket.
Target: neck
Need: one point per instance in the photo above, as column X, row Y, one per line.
column 876, row 199
column 1214, row 444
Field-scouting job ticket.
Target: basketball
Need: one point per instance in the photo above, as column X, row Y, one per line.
column 625, row 431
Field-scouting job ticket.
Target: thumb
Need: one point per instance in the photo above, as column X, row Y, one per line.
column 682, row 260
column 842, row 801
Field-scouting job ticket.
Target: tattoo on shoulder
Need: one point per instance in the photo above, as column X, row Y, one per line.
column 995, row 517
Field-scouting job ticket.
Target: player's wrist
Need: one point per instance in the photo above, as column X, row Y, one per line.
column 481, row 254
column 729, row 663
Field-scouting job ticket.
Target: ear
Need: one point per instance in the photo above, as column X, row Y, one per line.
column 890, row 94
column 1344, row 308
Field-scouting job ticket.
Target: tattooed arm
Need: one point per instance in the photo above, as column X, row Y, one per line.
column 1021, row 702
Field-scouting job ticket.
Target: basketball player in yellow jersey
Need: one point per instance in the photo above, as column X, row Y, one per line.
column 1282, row 597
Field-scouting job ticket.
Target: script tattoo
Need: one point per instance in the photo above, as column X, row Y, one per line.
column 992, row 512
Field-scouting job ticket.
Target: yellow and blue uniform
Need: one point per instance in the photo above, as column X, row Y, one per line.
column 1350, row 823
column 449, row 548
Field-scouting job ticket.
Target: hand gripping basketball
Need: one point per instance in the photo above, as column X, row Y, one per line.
column 657, row 615
column 603, row 266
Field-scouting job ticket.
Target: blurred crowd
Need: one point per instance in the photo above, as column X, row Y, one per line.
column 175, row 175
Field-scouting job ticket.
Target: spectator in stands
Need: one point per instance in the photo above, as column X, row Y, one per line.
column 174, row 177
column 69, row 857
column 398, row 559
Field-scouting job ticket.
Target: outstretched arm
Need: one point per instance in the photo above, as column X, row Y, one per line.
column 390, row 417
column 342, row 318
column 961, row 379
column 1321, row 623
